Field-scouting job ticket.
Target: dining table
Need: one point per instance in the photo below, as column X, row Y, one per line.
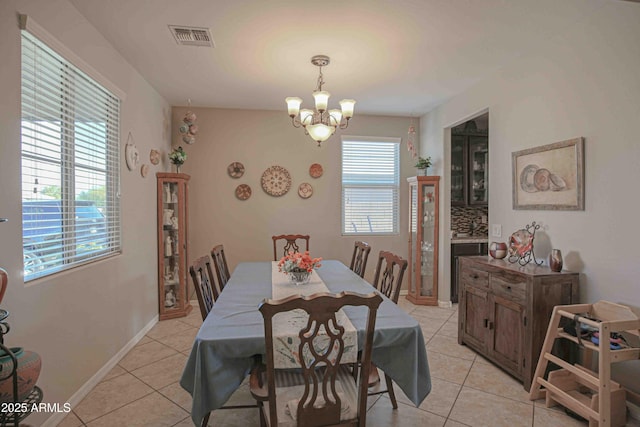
column 233, row 332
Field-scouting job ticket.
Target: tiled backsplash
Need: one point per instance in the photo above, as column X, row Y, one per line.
column 462, row 217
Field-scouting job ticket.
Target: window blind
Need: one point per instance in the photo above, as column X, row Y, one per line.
column 70, row 168
column 370, row 185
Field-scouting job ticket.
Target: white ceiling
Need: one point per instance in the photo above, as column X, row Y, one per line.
column 395, row 57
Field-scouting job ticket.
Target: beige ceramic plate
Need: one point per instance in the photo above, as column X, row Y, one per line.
column 276, row 181
column 154, row 157
column 243, row 191
column 315, row 170
column 144, row 170
column 305, row 190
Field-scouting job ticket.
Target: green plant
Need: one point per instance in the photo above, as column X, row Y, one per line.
column 423, row 162
column 177, row 156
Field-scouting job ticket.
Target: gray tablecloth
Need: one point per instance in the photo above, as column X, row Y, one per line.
column 221, row 355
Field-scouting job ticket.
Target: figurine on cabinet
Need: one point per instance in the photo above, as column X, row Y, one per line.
column 170, row 298
column 166, row 217
column 167, row 193
column 167, row 273
column 174, row 196
column 174, row 222
column 167, row 246
column 176, row 273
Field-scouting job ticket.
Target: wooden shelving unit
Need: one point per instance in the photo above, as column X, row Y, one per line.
column 593, row 396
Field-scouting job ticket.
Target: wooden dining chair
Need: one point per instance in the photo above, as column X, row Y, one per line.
column 359, row 258
column 220, row 263
column 388, row 280
column 207, row 293
column 204, row 284
column 291, row 244
column 308, row 394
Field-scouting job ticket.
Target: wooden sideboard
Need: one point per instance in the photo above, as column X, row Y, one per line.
column 505, row 309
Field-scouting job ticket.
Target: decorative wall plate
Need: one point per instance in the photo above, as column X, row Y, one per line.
column 154, row 157
column 305, row 190
column 276, row 181
column 315, row 170
column 243, row 191
column 131, row 156
column 235, row 170
column 144, row 170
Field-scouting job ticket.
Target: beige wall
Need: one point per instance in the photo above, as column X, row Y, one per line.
column 260, row 139
column 583, row 83
column 79, row 319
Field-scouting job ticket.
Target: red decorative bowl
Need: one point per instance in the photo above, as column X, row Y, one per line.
column 498, row 250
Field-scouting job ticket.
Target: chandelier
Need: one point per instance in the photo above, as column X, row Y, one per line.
column 321, row 123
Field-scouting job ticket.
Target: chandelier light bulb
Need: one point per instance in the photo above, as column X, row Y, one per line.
column 347, row 106
column 293, row 105
column 320, row 132
column 320, row 123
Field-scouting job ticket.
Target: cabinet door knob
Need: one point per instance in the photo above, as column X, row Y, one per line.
column 486, row 322
column 508, row 287
column 474, row 276
column 490, row 325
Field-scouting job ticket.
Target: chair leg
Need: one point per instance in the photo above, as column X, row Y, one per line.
column 205, row 420
column 392, row 394
column 263, row 422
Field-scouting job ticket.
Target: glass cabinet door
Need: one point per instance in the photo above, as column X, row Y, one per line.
column 427, row 242
column 413, row 230
column 458, row 170
column 479, row 167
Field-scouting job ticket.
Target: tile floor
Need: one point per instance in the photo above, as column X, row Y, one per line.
column 143, row 389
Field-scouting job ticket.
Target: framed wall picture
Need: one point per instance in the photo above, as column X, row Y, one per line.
column 549, row 177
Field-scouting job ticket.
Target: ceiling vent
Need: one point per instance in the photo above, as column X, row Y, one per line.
column 191, row 36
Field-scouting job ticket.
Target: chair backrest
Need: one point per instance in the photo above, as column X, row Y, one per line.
column 220, row 263
column 203, row 283
column 291, row 244
column 360, row 256
column 388, row 278
column 320, row 383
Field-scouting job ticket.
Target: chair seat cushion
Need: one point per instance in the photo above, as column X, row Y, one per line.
column 290, row 387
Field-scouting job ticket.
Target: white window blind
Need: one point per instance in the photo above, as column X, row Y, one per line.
column 370, row 185
column 70, row 151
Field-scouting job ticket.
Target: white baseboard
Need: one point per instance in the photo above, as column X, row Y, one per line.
column 404, row 292
column 82, row 392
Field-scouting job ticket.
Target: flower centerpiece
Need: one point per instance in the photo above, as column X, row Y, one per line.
column 298, row 266
column 177, row 157
column 423, row 163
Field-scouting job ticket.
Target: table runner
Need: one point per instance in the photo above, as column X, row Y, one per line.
column 286, row 326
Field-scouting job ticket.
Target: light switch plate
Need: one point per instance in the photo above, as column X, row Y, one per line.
column 496, row 230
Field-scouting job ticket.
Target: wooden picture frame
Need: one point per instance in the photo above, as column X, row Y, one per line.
column 549, row 177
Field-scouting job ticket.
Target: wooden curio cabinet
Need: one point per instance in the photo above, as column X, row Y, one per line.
column 172, row 245
column 423, row 239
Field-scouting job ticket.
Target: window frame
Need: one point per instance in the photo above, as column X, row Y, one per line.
column 395, row 187
column 71, row 131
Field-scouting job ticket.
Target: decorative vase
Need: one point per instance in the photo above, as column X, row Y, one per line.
column 498, row 250
column 555, row 260
column 28, row 371
column 424, row 172
column 299, row 277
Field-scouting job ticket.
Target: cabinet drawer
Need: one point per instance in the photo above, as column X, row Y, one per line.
column 511, row 287
column 477, row 278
